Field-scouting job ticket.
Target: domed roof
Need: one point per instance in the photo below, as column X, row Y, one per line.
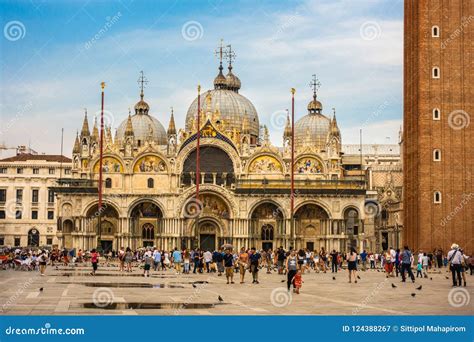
column 232, row 109
column 315, row 105
column 144, row 125
column 312, row 128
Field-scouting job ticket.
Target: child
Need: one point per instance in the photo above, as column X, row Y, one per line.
column 148, row 260
column 297, row 281
column 419, row 268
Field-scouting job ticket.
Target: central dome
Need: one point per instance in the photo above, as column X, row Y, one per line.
column 232, row 107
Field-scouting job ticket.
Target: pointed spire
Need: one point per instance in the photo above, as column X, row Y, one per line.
column 129, row 127
column 108, row 135
column 95, row 131
column 334, row 127
column 85, row 126
column 77, row 144
column 172, row 126
column 287, row 132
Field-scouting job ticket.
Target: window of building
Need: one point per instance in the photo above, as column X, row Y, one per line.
column 50, row 196
column 437, row 197
column 435, row 31
column 50, row 215
column 2, row 241
column 19, row 170
column 151, row 183
column 18, row 214
column 436, row 72
column 2, row 214
column 67, row 171
column 108, row 183
column 52, row 171
column 19, row 195
column 36, row 171
column 437, row 154
column 3, row 195
column 49, row 241
column 34, row 195
column 34, row 214
column 436, row 114
column 3, row 170
column 17, row 242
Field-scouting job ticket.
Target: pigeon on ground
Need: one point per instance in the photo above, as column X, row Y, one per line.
column 283, row 280
column 413, row 295
column 220, row 299
column 358, row 277
column 41, row 289
column 394, row 286
column 194, row 285
column 419, row 287
column 333, row 278
column 447, row 277
column 431, row 278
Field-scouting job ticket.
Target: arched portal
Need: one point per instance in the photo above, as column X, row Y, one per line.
column 33, row 237
column 145, row 222
column 68, row 229
column 108, row 226
column 208, row 235
column 216, row 167
column 266, row 223
column 311, row 223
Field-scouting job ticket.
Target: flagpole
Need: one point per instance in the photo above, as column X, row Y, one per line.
column 198, row 161
column 99, row 243
column 292, row 197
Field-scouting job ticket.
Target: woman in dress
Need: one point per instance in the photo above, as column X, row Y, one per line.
column 352, row 264
column 128, row 259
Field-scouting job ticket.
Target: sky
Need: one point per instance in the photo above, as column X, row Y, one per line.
column 55, row 54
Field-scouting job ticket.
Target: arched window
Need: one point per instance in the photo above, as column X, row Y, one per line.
column 436, row 154
column 148, row 231
column 108, row 183
column 151, row 183
column 436, row 114
column 437, row 197
column 435, row 31
column 33, row 237
column 267, row 232
column 436, row 72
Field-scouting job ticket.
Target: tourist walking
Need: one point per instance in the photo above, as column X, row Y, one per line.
column 407, row 259
column 94, row 261
column 218, row 258
column 281, row 256
column 128, row 259
column 156, row 259
column 291, row 267
column 187, row 261
column 207, row 256
column 334, row 260
column 121, row 257
column 229, row 266
column 243, row 263
column 255, row 259
column 363, row 259
column 148, row 258
column 42, row 260
column 297, row 281
column 352, row 264
column 455, row 261
column 177, row 260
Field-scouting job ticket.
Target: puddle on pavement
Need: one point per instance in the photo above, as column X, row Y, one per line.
column 139, row 285
column 143, row 306
column 81, row 274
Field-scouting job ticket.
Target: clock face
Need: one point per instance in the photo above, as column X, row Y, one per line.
column 34, row 231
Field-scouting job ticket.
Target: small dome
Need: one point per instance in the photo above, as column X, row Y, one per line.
column 232, row 81
column 220, row 81
column 312, row 129
column 315, row 106
column 141, row 107
column 144, row 127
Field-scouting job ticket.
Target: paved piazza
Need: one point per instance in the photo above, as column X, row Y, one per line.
column 73, row 291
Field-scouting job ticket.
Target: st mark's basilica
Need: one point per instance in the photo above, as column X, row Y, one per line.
column 149, row 180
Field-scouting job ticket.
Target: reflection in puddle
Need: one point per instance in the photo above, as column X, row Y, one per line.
column 141, row 285
column 133, row 306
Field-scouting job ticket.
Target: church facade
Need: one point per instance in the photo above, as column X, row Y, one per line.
column 149, row 181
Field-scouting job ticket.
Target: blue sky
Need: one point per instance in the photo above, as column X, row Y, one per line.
column 54, row 54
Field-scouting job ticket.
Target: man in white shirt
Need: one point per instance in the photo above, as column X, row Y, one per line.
column 455, row 260
column 208, row 259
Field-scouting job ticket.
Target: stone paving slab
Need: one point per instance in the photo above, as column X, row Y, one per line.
column 65, row 293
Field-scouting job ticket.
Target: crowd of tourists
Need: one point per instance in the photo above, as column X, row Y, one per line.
column 229, row 262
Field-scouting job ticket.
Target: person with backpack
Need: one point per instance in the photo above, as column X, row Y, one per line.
column 407, row 258
column 454, row 262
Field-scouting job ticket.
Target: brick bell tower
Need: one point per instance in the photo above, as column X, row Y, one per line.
column 438, row 145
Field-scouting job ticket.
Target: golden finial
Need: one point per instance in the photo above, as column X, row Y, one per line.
column 199, row 88
column 102, row 85
column 293, row 90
